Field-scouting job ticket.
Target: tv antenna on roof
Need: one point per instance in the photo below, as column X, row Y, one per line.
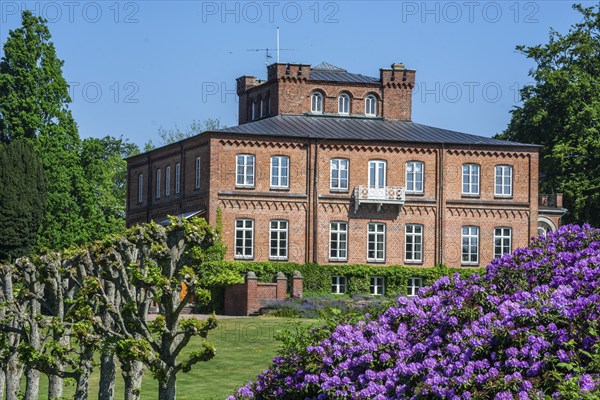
column 268, row 52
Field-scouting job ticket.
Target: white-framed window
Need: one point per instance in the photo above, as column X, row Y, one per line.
column 338, row 241
column 502, row 241
column 414, row 176
column 280, row 172
column 338, row 284
column 177, row 178
column 158, row 183
column 244, row 170
column 198, row 176
column 470, row 179
column 278, row 234
column 377, row 174
column 316, row 103
column 140, row 193
column 344, row 104
column 168, row 180
column 371, row 105
column 262, row 108
column 414, row 243
column 244, row 238
column 377, row 285
column 376, row 242
column 503, row 181
column 414, row 284
column 339, row 174
column 470, row 245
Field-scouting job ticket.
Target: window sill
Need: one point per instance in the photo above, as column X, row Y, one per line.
column 416, row 194
column 375, row 261
column 246, row 187
column 278, row 259
column 469, row 264
column 339, row 190
column 241, row 258
column 470, row 196
column 502, row 197
column 413, row 262
column 338, row 260
column 280, row 189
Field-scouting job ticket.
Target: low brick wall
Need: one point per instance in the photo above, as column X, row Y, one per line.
column 249, row 297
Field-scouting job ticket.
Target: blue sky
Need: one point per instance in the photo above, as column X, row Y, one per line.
column 135, row 66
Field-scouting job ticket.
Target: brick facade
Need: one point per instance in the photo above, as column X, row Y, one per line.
column 309, row 204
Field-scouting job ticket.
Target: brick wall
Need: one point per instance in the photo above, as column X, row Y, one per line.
column 249, row 297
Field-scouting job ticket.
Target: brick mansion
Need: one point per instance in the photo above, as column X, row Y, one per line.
column 326, row 166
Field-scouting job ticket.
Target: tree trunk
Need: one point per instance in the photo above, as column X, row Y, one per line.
column 32, row 384
column 2, row 383
column 55, row 387
column 83, row 380
column 133, row 373
column 13, row 377
column 167, row 389
column 107, row 377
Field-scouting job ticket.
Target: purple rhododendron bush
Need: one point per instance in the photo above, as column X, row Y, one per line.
column 527, row 329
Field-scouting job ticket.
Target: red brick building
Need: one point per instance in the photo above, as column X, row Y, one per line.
column 326, row 166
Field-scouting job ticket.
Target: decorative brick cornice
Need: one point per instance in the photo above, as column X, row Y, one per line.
column 377, row 149
column 261, row 143
column 262, row 205
column 489, row 153
column 495, row 213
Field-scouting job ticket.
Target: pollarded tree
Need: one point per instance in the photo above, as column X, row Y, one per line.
column 22, row 199
column 151, row 264
column 561, row 111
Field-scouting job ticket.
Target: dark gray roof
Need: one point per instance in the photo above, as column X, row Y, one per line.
column 331, row 73
column 367, row 129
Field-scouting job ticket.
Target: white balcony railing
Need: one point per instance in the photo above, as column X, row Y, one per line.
column 378, row 195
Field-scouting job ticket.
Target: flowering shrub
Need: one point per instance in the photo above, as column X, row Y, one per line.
column 526, row 329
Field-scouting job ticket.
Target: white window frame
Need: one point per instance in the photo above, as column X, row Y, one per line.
column 414, row 284
column 316, row 103
column 340, row 230
column 280, row 174
column 177, row 178
column 471, row 179
column 415, row 178
column 413, row 248
column 244, row 232
column 278, row 233
column 371, row 106
column 338, row 284
column 503, row 180
column 140, row 193
column 198, row 173
column 470, row 242
column 377, row 285
column 379, row 179
column 344, row 104
column 376, row 236
column 342, row 182
column 246, row 178
column 168, row 180
column 502, row 241
column 158, row 183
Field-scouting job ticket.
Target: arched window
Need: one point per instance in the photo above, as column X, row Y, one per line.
column 371, row 105
column 316, row 101
column 344, row 104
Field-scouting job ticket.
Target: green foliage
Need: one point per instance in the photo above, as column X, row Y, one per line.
column 561, row 112
column 22, row 199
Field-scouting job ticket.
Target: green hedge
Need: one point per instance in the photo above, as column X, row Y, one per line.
column 317, row 278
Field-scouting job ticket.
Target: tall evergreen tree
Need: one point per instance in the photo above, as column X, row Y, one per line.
column 34, row 102
column 561, row 111
column 22, row 199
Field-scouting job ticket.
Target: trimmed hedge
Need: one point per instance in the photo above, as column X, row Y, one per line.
column 317, row 278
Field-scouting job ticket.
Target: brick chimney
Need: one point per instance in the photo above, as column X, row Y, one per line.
column 397, row 83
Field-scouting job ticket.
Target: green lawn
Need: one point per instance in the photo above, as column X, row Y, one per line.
column 245, row 347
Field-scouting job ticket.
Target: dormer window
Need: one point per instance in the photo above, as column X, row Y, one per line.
column 344, row 104
column 371, row 106
column 316, row 101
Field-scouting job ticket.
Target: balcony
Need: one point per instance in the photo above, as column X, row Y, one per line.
column 379, row 196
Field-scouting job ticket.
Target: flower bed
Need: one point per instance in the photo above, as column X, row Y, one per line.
column 527, row 328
